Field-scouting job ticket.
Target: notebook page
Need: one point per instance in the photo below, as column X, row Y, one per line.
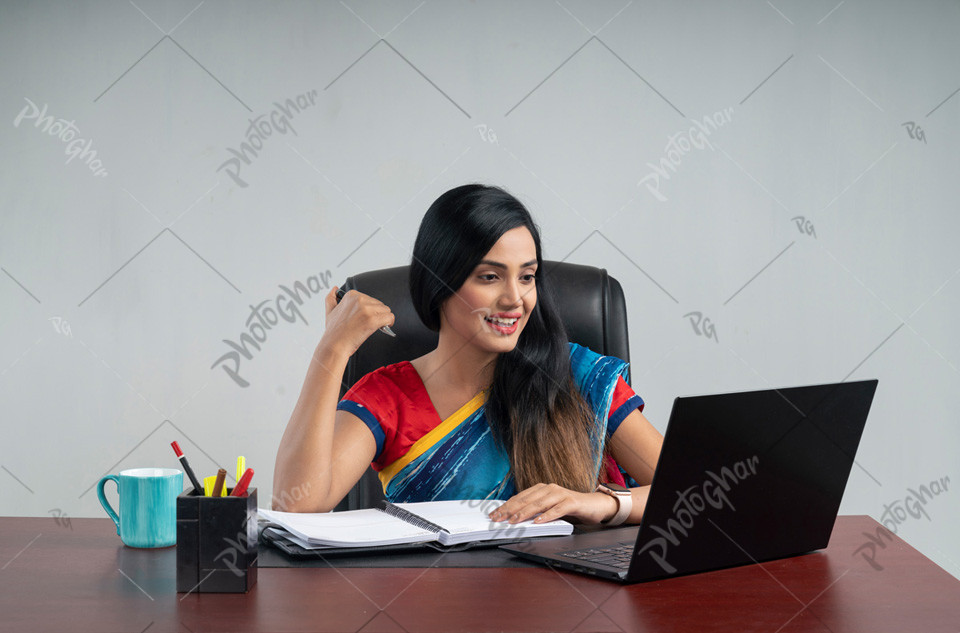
column 468, row 520
column 349, row 529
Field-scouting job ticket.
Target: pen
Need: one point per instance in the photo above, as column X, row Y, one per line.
column 240, row 490
column 241, row 466
column 218, row 484
column 197, row 488
column 385, row 329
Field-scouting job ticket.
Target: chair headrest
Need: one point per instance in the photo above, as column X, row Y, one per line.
column 591, row 303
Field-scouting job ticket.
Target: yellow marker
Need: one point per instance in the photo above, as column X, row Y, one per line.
column 241, row 467
column 209, row 483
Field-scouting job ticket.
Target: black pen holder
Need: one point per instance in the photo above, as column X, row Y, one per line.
column 216, row 543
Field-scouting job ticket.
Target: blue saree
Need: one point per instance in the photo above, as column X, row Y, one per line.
column 419, row 459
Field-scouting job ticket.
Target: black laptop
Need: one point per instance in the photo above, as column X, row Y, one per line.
column 742, row 478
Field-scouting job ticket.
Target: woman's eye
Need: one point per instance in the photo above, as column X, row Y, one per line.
column 493, row 277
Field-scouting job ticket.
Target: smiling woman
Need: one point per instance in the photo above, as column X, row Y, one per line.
column 483, row 242
column 504, row 407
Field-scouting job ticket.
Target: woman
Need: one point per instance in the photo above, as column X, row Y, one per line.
column 503, row 408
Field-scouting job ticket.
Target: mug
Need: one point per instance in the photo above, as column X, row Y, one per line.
column 148, row 505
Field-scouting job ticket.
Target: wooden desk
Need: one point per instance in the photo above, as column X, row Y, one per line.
column 81, row 578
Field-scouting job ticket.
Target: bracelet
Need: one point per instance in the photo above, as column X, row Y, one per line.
column 624, row 502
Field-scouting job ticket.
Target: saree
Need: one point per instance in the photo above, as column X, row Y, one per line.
column 422, row 458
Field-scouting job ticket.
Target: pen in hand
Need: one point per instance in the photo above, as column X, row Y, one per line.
column 385, row 329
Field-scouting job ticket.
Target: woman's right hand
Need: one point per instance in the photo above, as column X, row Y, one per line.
column 350, row 322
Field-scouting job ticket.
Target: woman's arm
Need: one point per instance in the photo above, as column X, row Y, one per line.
column 635, row 445
column 323, row 451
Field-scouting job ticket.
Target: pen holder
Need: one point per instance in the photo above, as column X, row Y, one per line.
column 216, row 543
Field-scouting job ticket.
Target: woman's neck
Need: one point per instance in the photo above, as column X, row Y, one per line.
column 456, row 365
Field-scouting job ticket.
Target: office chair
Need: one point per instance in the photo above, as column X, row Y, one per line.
column 592, row 308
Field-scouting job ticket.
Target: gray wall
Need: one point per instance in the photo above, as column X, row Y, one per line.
column 122, row 278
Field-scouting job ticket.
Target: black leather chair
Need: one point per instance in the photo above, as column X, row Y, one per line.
column 591, row 304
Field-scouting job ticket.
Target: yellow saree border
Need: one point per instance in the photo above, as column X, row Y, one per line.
column 436, row 434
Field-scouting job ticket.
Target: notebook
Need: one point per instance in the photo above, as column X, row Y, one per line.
column 449, row 523
column 742, row 478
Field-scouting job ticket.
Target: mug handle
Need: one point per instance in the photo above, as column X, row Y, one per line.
column 103, row 499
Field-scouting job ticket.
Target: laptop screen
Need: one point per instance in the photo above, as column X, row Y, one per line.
column 751, row 476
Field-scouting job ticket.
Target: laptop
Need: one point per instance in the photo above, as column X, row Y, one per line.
column 742, row 478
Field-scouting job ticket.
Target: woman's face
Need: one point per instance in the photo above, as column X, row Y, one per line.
column 492, row 307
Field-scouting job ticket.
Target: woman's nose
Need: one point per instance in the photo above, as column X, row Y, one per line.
column 512, row 294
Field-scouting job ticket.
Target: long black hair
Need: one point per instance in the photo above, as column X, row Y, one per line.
column 534, row 408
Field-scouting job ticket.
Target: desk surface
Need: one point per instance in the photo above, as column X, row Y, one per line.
column 79, row 577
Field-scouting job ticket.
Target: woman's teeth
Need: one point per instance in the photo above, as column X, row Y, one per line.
column 499, row 321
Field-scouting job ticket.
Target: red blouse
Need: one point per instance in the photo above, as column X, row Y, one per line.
column 393, row 402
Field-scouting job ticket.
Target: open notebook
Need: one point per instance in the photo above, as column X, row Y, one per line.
column 447, row 522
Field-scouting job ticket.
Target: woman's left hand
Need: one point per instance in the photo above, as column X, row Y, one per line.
column 547, row 502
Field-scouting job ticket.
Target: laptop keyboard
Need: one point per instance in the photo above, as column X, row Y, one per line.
column 611, row 555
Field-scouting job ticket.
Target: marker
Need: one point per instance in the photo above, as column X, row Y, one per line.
column 197, row 488
column 241, row 466
column 240, row 490
column 218, row 484
column 385, row 329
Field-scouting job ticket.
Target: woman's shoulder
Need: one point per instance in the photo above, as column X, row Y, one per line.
column 396, row 377
column 591, row 369
column 580, row 355
column 602, row 381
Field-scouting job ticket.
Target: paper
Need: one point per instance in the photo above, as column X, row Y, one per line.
column 449, row 522
column 467, row 521
column 349, row 529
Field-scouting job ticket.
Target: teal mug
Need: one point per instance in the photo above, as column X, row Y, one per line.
column 148, row 505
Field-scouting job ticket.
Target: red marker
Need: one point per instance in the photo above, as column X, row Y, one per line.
column 197, row 488
column 240, row 490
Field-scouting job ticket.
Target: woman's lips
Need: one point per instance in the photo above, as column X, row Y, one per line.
column 505, row 324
